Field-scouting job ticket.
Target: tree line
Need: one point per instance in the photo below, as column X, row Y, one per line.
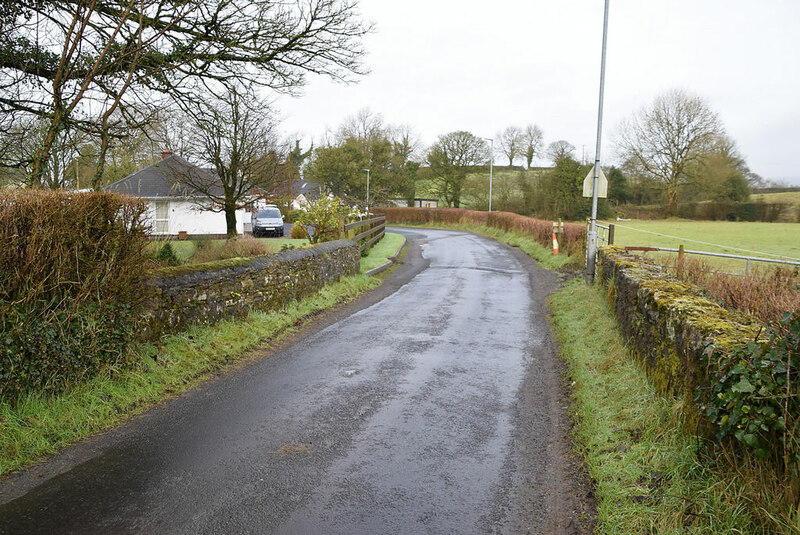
column 674, row 150
column 92, row 91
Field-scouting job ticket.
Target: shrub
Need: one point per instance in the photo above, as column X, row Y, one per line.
column 713, row 211
column 166, row 255
column 767, row 293
column 754, row 394
column 241, row 247
column 298, row 232
column 325, row 216
column 293, row 215
column 71, row 265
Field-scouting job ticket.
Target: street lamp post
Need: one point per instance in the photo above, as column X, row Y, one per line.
column 591, row 236
column 367, row 170
column 491, row 165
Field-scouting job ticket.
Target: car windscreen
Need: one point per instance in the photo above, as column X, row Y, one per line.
column 269, row 213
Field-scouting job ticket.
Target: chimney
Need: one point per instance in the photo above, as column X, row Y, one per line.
column 166, row 153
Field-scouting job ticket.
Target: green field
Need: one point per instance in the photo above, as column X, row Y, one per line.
column 738, row 238
column 792, row 197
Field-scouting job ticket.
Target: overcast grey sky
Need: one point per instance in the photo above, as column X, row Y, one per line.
column 441, row 66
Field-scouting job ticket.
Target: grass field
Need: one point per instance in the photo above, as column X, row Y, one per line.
column 792, row 197
column 739, row 238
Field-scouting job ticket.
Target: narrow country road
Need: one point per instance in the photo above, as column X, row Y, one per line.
column 431, row 406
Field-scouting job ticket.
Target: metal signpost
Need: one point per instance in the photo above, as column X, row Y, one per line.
column 591, row 236
column 491, row 164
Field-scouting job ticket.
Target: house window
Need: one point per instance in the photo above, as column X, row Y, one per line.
column 162, row 217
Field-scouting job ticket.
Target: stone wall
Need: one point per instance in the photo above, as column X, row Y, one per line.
column 668, row 324
column 199, row 295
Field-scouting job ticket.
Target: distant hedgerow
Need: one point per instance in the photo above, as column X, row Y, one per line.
column 572, row 241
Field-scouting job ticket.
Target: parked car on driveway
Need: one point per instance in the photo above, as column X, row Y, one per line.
column 267, row 221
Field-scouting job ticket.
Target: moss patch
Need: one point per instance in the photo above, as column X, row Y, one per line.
column 189, row 269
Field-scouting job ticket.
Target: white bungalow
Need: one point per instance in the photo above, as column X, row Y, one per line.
column 175, row 207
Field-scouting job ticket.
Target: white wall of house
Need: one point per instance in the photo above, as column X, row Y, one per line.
column 168, row 217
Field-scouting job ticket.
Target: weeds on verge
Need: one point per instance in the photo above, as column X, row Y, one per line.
column 767, row 293
column 241, row 247
column 40, row 424
column 650, row 477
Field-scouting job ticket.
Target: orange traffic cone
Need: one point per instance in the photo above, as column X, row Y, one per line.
column 555, row 244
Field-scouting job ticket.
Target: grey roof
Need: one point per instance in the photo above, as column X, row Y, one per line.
column 308, row 188
column 167, row 178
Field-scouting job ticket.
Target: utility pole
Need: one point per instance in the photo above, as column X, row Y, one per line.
column 367, row 170
column 491, row 165
column 591, row 236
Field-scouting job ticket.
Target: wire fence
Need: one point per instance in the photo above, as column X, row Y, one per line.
column 607, row 231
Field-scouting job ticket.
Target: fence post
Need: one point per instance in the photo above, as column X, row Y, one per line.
column 679, row 273
column 611, row 234
column 342, row 234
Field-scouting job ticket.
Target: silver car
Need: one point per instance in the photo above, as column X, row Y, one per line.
column 267, row 221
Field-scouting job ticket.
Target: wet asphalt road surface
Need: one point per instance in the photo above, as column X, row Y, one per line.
column 431, row 409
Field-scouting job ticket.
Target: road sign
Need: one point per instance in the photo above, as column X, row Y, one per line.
column 602, row 184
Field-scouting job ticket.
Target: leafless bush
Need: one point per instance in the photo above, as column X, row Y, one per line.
column 243, row 246
column 767, row 293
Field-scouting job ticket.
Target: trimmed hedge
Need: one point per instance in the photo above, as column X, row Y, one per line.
column 714, row 211
column 71, row 265
column 572, row 242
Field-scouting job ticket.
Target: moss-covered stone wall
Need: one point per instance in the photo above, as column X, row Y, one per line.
column 206, row 293
column 669, row 324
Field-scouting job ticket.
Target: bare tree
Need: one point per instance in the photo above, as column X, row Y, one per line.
column 510, row 142
column 365, row 125
column 406, row 142
column 235, row 135
column 667, row 139
column 531, row 143
column 61, row 56
column 560, row 149
column 450, row 158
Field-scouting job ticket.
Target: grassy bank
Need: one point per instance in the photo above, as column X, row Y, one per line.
column 40, row 425
column 381, row 251
column 650, row 477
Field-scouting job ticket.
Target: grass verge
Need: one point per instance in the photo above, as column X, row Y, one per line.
column 526, row 244
column 40, row 425
column 650, row 477
column 379, row 254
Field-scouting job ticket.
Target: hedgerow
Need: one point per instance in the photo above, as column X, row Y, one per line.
column 572, row 241
column 71, row 265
